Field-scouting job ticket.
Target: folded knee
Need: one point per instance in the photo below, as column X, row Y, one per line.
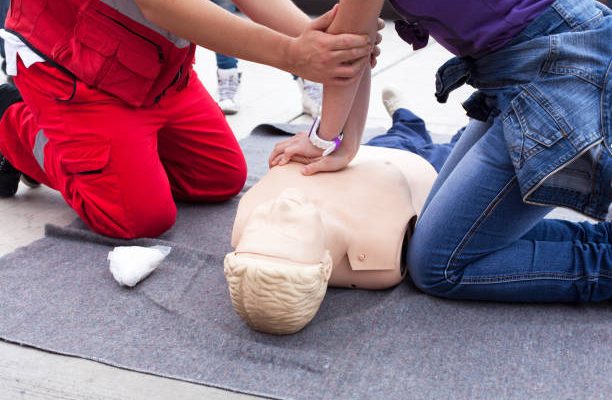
column 129, row 221
column 233, row 183
column 429, row 270
column 153, row 224
column 220, row 182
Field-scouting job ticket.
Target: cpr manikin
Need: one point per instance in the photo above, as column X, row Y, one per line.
column 294, row 235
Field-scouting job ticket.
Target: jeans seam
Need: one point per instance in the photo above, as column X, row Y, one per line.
column 553, row 43
column 589, row 22
column 470, row 233
column 603, row 104
column 535, row 276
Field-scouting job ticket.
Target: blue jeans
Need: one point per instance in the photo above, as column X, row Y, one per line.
column 498, row 276
column 409, row 132
column 551, row 86
column 476, row 238
column 223, row 61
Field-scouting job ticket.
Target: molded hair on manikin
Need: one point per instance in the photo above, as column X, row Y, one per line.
column 273, row 296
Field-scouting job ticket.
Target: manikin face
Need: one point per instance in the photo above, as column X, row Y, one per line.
column 279, row 272
column 288, row 228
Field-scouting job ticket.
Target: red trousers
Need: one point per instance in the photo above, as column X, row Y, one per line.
column 121, row 168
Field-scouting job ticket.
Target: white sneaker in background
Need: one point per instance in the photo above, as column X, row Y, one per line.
column 393, row 100
column 228, row 82
column 312, row 96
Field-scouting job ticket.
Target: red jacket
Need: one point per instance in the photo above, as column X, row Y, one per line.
column 108, row 44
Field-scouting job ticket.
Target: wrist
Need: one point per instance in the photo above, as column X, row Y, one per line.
column 350, row 144
column 327, row 132
column 288, row 53
column 275, row 44
column 328, row 146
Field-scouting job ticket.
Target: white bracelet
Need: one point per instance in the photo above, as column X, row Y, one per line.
column 328, row 146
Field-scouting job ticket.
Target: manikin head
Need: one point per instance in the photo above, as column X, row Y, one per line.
column 279, row 271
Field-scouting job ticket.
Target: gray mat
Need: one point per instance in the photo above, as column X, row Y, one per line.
column 57, row 294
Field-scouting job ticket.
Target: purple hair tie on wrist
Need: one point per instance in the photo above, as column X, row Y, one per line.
column 328, row 146
column 337, row 140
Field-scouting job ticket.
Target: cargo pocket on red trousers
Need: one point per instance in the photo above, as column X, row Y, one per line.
column 91, row 188
column 77, row 160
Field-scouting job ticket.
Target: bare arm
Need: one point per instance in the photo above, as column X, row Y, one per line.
column 266, row 12
column 313, row 54
column 344, row 108
column 354, row 16
column 353, row 132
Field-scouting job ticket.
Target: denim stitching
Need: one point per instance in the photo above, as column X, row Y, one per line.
column 470, row 233
column 520, row 113
column 590, row 23
column 567, row 17
column 509, row 124
column 559, row 276
column 604, row 114
column 553, row 58
column 554, row 112
column 552, row 54
column 583, row 75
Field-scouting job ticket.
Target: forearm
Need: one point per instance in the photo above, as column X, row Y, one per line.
column 224, row 32
column 281, row 15
column 356, row 121
column 354, row 16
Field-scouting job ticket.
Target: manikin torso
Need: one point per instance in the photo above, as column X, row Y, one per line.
column 366, row 211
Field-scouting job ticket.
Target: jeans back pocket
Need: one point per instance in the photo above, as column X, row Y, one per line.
column 529, row 128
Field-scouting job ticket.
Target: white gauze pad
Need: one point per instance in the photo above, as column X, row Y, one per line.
column 131, row 264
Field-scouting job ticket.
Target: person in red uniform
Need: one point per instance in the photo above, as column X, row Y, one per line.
column 110, row 112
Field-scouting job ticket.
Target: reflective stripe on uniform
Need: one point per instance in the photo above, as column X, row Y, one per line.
column 39, row 148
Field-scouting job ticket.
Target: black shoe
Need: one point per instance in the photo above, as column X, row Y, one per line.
column 9, row 95
column 9, row 176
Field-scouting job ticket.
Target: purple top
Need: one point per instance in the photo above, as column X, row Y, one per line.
column 487, row 25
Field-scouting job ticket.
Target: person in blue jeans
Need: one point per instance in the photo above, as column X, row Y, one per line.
column 229, row 78
column 540, row 136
